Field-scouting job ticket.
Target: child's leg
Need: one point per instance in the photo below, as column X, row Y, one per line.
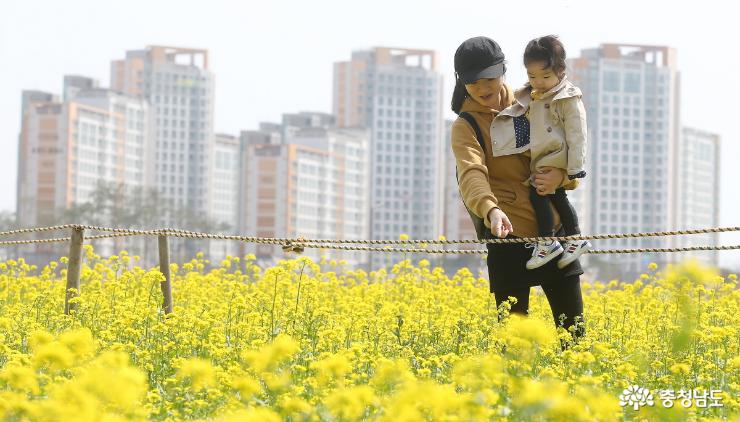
column 568, row 215
column 542, row 212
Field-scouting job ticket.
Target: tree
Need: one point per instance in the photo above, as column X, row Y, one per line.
column 119, row 206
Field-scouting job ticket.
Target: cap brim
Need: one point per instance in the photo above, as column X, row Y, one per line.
column 494, row 71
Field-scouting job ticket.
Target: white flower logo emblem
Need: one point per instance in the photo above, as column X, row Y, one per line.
column 636, row 396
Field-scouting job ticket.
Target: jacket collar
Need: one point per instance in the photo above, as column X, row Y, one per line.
column 564, row 89
column 568, row 90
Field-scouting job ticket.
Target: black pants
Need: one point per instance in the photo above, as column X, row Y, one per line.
column 542, row 211
column 566, row 303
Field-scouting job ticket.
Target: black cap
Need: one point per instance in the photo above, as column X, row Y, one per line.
column 479, row 58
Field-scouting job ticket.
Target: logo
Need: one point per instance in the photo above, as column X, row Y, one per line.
column 636, row 396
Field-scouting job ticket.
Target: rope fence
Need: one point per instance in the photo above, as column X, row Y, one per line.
column 297, row 245
column 118, row 232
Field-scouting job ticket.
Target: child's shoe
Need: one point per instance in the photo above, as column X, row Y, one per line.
column 544, row 252
column 573, row 249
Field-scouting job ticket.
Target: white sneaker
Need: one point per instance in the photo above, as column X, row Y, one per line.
column 544, row 252
column 573, row 249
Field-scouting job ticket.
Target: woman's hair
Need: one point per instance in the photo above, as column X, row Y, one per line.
column 458, row 95
column 547, row 49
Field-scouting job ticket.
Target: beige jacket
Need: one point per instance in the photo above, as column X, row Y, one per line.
column 557, row 124
column 486, row 181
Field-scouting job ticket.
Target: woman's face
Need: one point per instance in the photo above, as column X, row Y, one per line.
column 485, row 91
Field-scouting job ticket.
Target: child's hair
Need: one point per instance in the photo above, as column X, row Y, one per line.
column 546, row 49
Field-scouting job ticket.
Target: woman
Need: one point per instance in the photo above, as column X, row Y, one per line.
column 493, row 192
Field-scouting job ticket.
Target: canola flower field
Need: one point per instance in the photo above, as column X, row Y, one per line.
column 306, row 341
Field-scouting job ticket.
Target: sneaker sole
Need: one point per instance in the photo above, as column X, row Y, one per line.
column 555, row 255
column 564, row 263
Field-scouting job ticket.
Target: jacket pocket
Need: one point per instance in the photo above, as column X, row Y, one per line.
column 555, row 147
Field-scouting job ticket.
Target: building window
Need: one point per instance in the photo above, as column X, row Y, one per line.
column 611, row 81
column 632, row 82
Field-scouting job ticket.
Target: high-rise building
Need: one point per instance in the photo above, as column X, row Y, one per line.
column 179, row 87
column 397, row 94
column 108, row 140
column 68, row 149
column 40, row 169
column 313, row 183
column 295, row 122
column 225, row 172
column 39, row 158
column 631, row 94
column 698, row 186
column 73, row 84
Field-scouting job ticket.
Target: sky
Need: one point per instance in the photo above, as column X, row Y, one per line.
column 277, row 56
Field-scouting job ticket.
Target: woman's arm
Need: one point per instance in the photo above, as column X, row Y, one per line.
column 472, row 171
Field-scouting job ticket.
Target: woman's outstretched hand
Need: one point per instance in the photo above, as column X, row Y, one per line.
column 500, row 224
column 547, row 179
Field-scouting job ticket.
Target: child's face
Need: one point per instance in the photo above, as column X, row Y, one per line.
column 485, row 91
column 542, row 79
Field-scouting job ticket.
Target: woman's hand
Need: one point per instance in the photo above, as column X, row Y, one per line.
column 548, row 179
column 500, row 224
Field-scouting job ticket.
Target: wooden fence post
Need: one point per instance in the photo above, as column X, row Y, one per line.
column 73, row 269
column 164, row 267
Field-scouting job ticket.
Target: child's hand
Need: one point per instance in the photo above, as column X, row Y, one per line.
column 500, row 224
column 547, row 179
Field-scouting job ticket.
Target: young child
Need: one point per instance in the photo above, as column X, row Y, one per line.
column 548, row 119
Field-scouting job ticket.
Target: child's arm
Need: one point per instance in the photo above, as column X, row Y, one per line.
column 574, row 122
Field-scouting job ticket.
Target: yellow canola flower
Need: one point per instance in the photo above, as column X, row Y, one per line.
column 106, row 389
column 5, row 323
column 390, row 374
column 254, row 414
column 245, row 385
column 479, row 372
column 549, row 397
column 199, row 372
column 53, row 356
column 524, row 332
column 277, row 382
column 294, row 406
column 331, row 368
column 680, row 368
column 80, row 342
column 271, row 355
column 20, row 378
column 350, row 403
column 114, row 381
column 427, row 400
column 39, row 338
column 353, row 344
column 735, row 362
